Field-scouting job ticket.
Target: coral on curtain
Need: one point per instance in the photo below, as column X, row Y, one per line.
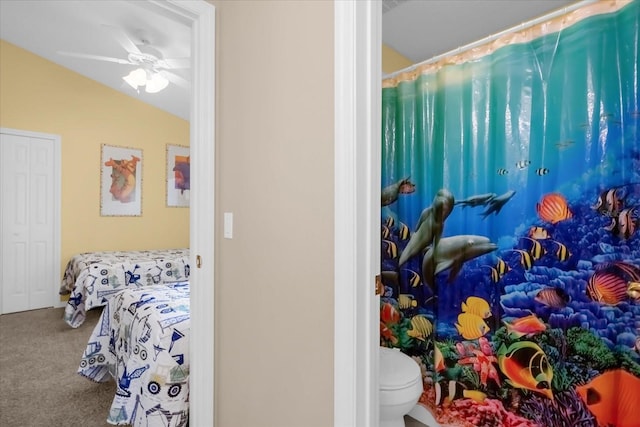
column 510, row 213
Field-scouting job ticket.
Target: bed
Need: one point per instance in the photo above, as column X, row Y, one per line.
column 142, row 342
column 90, row 278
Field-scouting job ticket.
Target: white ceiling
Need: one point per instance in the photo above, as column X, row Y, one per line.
column 47, row 27
column 418, row 29
column 423, row 29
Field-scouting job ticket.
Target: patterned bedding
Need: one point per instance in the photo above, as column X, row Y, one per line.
column 92, row 277
column 142, row 341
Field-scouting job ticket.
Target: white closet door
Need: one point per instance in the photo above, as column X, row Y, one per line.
column 28, row 212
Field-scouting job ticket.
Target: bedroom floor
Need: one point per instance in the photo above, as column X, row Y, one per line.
column 39, row 386
column 39, row 356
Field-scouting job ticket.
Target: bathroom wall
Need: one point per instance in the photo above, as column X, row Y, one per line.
column 393, row 61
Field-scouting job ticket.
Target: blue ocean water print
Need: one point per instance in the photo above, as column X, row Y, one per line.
column 510, row 249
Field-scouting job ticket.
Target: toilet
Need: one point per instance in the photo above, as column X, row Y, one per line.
column 400, row 386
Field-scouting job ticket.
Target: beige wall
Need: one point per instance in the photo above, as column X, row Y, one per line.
column 393, row 61
column 40, row 96
column 275, row 169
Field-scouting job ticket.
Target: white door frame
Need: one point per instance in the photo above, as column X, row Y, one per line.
column 55, row 140
column 358, row 76
column 200, row 16
column 357, row 141
column 357, row 144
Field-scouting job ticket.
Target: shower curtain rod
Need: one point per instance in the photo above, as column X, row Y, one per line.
column 493, row 37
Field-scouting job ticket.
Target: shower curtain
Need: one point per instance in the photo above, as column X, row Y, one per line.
column 510, row 250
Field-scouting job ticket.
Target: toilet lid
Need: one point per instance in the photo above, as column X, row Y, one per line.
column 397, row 370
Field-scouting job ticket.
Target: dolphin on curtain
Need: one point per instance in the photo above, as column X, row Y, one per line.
column 495, row 204
column 452, row 253
column 430, row 225
column 477, row 200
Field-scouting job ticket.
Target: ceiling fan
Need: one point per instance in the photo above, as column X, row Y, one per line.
column 152, row 69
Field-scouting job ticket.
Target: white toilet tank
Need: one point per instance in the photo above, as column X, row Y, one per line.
column 397, row 370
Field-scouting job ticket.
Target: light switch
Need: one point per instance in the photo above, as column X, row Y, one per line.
column 228, row 225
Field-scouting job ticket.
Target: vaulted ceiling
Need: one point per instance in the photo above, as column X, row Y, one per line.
column 418, row 29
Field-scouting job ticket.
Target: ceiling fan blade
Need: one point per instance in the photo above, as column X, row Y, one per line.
column 122, row 38
column 176, row 63
column 96, row 57
column 176, row 79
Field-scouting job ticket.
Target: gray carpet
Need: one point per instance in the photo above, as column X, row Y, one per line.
column 39, row 386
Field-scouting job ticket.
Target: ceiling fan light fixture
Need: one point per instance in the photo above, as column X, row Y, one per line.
column 156, row 83
column 136, row 78
column 153, row 82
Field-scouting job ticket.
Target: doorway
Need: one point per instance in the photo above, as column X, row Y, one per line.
column 358, row 79
column 29, row 220
column 200, row 17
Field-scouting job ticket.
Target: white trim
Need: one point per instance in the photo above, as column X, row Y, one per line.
column 200, row 15
column 57, row 218
column 202, row 234
column 57, row 172
column 357, row 211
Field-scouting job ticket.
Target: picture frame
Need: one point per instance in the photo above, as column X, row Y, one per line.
column 178, row 175
column 120, row 181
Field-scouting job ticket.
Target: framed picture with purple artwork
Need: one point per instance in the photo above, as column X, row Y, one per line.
column 178, row 176
column 120, row 181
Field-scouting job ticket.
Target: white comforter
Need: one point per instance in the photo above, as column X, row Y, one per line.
column 142, row 342
column 92, row 277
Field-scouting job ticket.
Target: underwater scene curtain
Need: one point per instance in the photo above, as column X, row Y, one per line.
column 510, row 250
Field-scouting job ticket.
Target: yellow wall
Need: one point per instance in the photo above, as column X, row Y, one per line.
column 275, row 172
column 393, row 61
column 40, row 96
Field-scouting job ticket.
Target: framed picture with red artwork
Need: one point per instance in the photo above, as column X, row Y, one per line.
column 120, row 181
